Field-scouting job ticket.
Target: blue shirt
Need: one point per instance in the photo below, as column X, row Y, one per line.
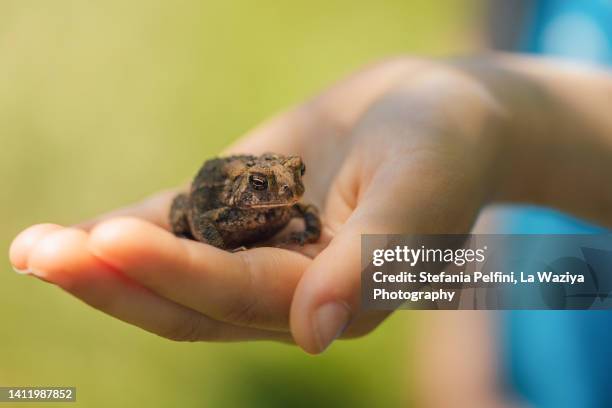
column 560, row 359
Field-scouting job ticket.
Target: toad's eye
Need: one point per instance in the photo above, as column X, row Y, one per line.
column 258, row 182
column 302, row 169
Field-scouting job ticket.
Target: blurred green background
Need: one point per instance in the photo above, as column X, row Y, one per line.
column 104, row 102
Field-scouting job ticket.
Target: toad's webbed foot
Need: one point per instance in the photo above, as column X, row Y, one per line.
column 312, row 222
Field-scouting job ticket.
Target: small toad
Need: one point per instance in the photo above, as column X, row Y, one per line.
column 240, row 200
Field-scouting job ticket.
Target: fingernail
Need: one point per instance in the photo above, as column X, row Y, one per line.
column 330, row 320
column 21, row 271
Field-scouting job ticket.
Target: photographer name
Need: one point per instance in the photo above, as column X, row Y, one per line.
column 478, row 277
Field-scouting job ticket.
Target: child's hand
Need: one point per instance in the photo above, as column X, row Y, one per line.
column 402, row 147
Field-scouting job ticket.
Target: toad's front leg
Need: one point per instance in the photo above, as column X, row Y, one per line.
column 312, row 222
column 204, row 229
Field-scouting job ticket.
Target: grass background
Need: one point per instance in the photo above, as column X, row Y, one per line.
column 103, row 102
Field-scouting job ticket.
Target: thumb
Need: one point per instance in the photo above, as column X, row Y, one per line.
column 328, row 296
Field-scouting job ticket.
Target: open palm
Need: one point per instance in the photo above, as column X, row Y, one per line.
column 379, row 160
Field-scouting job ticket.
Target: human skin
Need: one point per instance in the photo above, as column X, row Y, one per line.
column 404, row 146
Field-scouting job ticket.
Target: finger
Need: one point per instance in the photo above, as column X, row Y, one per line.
column 327, row 298
column 25, row 241
column 154, row 209
column 62, row 257
column 251, row 288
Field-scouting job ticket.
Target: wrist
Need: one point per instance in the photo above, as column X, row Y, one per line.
column 555, row 143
